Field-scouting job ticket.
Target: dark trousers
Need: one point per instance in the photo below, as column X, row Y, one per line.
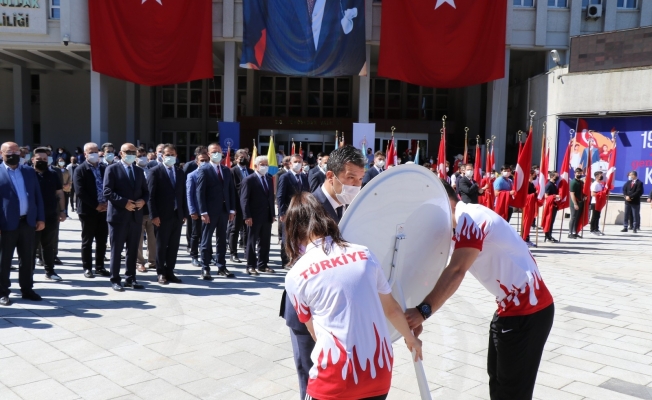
column 94, row 228
column 218, row 223
column 46, row 238
column 632, row 215
column 302, row 346
column 595, row 219
column 125, row 233
column 552, row 221
column 284, row 257
column 194, row 228
column 21, row 239
column 515, row 349
column 168, row 237
column 188, row 231
column 575, row 217
column 234, row 228
column 509, row 213
column 260, row 235
column 66, row 196
column 73, row 198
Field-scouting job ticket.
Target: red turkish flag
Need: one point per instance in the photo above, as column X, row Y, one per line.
column 390, row 157
column 477, row 164
column 152, row 42
column 441, row 156
column 564, row 183
column 443, row 43
column 522, row 173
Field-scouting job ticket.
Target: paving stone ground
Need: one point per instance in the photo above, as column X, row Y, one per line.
column 224, row 339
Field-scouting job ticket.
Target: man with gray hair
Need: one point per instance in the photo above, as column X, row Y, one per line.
column 239, row 171
column 257, row 201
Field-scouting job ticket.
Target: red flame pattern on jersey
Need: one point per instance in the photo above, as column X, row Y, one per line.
column 341, row 376
column 533, row 297
column 303, row 311
column 470, row 234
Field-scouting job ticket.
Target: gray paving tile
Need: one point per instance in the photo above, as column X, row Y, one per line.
column 96, row 388
column 45, row 390
column 590, row 311
column 628, row 388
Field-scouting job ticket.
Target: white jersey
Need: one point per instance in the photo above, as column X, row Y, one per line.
column 596, row 187
column 505, row 266
column 339, row 289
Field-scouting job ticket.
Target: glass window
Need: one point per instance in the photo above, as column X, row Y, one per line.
column 524, row 3
column 585, row 3
column 558, row 3
column 631, row 4
column 215, row 97
column 325, row 97
column 55, row 9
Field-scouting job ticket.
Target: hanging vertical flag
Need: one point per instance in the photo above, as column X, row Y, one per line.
column 543, row 170
column 227, row 160
column 294, row 150
column 363, row 149
column 391, row 154
column 254, row 154
column 564, row 183
column 611, row 171
column 522, row 173
column 300, row 150
column 492, row 159
column 478, row 161
column 416, row 155
column 441, row 156
column 337, row 140
column 271, row 158
column 586, row 192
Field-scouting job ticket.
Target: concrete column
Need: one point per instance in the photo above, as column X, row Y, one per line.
column 575, row 18
column 497, row 93
column 228, row 18
column 541, row 25
column 23, row 128
column 133, row 113
column 230, row 84
column 472, row 110
column 363, row 93
column 646, row 13
column 610, row 11
column 99, row 108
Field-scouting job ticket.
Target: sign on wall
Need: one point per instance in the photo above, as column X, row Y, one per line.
column 23, row 16
column 633, row 143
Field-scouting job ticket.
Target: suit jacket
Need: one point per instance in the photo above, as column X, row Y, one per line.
column 214, row 194
column 316, row 178
column 118, row 190
column 237, row 181
column 468, row 190
column 321, row 197
column 289, row 46
column 371, row 173
column 288, row 187
column 85, row 188
column 10, row 214
column 152, row 164
column 191, row 193
column 163, row 196
column 635, row 192
column 189, row 167
column 256, row 204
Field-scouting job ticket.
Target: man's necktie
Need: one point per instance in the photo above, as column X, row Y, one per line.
column 244, row 173
column 171, row 175
column 265, row 185
column 298, row 182
column 339, row 211
column 311, row 8
column 131, row 177
column 219, row 173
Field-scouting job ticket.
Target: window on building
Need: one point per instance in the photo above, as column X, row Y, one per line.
column 280, row 96
column 628, row 4
column 586, row 3
column 419, row 102
column 385, row 102
column 55, row 9
column 391, row 99
column 215, row 97
column 183, row 100
column 329, row 97
column 524, row 3
column 558, row 3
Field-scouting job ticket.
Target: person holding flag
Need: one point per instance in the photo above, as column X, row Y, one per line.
column 577, row 200
column 598, row 201
column 530, row 210
column 550, row 206
column 441, row 156
column 391, row 153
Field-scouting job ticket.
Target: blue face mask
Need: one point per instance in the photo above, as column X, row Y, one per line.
column 129, row 158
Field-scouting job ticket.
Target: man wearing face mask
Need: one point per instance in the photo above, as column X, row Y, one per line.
column 316, row 176
column 311, row 159
column 126, row 190
column 167, row 210
column 550, row 207
column 504, row 190
column 22, row 215
column 577, row 202
column 239, row 171
column 53, row 207
column 633, row 190
column 159, row 156
column 345, row 171
column 194, row 222
column 91, row 208
column 216, row 201
column 289, row 184
column 109, row 153
column 468, row 188
column 379, row 166
column 147, row 226
column 257, row 200
column 189, row 168
column 597, row 202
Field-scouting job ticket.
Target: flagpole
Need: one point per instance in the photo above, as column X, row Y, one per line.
column 466, row 145
column 520, row 225
column 606, row 206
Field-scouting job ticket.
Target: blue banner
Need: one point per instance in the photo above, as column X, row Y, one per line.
column 229, row 135
column 304, row 38
column 633, row 146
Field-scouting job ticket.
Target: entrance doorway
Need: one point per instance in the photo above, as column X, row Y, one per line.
column 311, row 141
column 404, row 141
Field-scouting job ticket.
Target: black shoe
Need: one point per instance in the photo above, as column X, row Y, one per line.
column 234, row 258
column 52, row 276
column 4, row 301
column 88, row 273
column 552, row 239
column 133, row 284
column 102, row 271
column 635, row 230
column 225, row 273
column 173, row 278
column 195, row 262
column 266, row 270
column 117, row 287
column 252, row 271
column 106, row 258
column 572, row 236
column 31, row 295
column 624, row 230
column 206, row 275
column 57, row 261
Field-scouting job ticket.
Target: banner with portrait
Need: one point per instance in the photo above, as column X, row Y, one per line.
column 633, row 144
column 304, row 37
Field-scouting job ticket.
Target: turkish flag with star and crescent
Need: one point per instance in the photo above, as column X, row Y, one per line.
column 152, row 42
column 443, row 43
column 522, row 173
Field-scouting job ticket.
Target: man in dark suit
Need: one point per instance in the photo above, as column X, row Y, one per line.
column 257, row 200
column 126, row 190
column 167, row 210
column 290, row 183
column 188, row 168
column 304, row 38
column 468, row 188
column 379, row 166
column 216, row 201
column 21, row 216
column 239, row 172
column 317, row 175
column 633, row 190
column 343, row 182
column 91, row 208
column 159, row 156
column 283, row 168
column 194, row 220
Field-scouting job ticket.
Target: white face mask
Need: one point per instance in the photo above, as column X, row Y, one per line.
column 506, row 174
column 50, row 160
column 202, row 163
column 169, row 161
column 62, row 163
column 108, row 157
column 631, row 178
column 159, row 157
column 93, row 158
column 262, row 169
column 348, row 193
column 468, row 173
column 536, row 171
column 380, row 163
column 142, row 161
column 296, row 167
column 446, row 169
column 216, row 157
column 306, row 169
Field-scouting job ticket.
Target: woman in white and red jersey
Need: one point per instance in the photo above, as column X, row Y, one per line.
column 492, row 251
column 340, row 292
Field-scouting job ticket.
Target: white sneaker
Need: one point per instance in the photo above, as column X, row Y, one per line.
column 595, row 233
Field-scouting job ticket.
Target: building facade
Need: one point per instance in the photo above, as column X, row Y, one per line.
column 50, row 95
